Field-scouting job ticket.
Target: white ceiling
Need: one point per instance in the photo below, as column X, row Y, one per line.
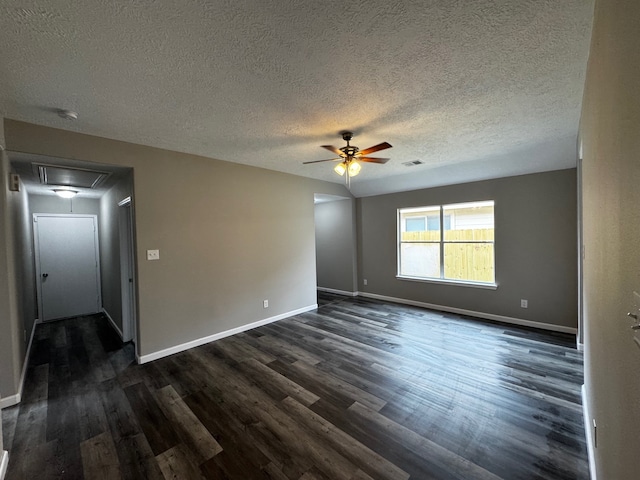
column 475, row 90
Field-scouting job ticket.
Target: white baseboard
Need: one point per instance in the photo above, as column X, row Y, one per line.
column 471, row 313
column 12, row 400
column 338, row 292
column 4, row 463
column 201, row 341
column 113, row 324
column 586, row 411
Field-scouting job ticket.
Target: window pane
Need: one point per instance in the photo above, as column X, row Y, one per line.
column 420, row 260
column 469, row 222
column 433, row 222
column 416, row 224
column 473, row 262
column 420, row 224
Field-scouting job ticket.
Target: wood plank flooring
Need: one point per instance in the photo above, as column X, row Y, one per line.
column 358, row 389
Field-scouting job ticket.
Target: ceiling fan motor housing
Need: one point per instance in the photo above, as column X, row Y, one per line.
column 349, row 153
column 349, row 150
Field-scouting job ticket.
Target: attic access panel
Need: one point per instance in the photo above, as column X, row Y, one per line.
column 70, row 176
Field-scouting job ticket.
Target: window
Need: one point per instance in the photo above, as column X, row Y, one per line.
column 461, row 251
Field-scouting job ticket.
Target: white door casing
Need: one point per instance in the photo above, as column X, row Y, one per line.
column 67, row 265
column 127, row 271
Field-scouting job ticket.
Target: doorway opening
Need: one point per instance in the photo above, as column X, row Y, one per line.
column 336, row 244
column 101, row 193
column 127, row 271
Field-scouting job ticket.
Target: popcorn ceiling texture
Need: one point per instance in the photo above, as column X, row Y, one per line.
column 474, row 89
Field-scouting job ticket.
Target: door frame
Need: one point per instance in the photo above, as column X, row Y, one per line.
column 581, row 253
column 127, row 271
column 36, row 245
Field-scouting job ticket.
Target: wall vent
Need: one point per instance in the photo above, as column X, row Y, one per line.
column 70, row 176
column 413, row 163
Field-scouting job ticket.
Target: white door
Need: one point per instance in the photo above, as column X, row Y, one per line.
column 67, row 265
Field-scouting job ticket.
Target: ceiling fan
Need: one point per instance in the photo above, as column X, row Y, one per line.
column 350, row 155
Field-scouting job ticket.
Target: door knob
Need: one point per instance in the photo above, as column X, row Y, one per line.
column 45, row 275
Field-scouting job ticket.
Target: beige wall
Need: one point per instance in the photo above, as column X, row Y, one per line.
column 610, row 130
column 535, row 247
column 229, row 235
column 336, row 245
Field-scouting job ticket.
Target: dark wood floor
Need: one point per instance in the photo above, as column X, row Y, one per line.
column 358, row 389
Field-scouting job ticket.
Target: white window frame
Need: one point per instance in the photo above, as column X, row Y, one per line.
column 442, row 243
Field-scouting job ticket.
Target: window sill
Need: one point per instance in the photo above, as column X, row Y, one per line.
column 459, row 283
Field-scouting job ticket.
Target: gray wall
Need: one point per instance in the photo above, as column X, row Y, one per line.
column 110, row 248
column 610, row 130
column 336, row 245
column 229, row 235
column 12, row 345
column 535, row 247
column 7, row 357
column 25, row 263
column 2, row 295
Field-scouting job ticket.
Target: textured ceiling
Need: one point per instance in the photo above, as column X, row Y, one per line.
column 473, row 89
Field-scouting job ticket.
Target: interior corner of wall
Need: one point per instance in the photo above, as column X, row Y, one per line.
column 3, row 143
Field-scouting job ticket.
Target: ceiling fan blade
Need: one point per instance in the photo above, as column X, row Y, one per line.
column 372, row 160
column 375, row 148
column 333, row 149
column 318, row 161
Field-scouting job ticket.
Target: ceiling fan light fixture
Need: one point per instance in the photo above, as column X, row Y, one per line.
column 351, row 157
column 65, row 193
column 354, row 168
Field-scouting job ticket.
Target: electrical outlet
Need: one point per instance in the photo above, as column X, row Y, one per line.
column 265, row 304
column 524, row 303
column 365, row 281
column 153, row 254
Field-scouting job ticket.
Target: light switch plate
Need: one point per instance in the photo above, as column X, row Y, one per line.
column 14, row 184
column 153, row 254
